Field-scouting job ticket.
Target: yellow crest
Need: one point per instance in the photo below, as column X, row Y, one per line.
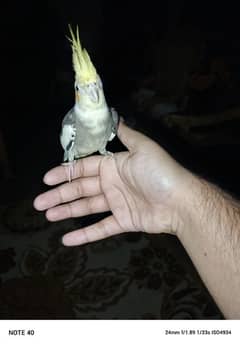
column 84, row 69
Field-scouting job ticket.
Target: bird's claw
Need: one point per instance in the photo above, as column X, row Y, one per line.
column 106, row 153
column 70, row 169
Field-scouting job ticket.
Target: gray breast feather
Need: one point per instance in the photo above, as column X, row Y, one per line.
column 80, row 138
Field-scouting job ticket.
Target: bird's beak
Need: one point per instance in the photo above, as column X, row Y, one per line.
column 94, row 95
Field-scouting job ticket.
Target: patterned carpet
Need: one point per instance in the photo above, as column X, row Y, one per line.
column 130, row 276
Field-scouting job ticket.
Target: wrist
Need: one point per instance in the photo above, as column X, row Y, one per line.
column 205, row 205
column 191, row 204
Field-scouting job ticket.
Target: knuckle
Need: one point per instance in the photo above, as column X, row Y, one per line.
column 89, row 205
column 60, row 195
column 81, row 168
column 103, row 229
column 86, row 237
column 70, row 211
column 79, row 189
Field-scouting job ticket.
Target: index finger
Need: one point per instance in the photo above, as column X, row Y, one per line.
column 84, row 167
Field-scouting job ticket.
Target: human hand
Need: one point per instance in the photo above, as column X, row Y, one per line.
column 142, row 188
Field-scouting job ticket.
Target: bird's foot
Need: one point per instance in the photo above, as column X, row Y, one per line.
column 70, row 169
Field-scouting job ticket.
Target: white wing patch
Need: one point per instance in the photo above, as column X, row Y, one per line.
column 112, row 136
column 67, row 137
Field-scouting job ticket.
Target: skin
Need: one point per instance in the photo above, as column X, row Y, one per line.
column 147, row 190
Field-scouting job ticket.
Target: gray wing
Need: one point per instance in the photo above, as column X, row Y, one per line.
column 68, row 135
column 115, row 122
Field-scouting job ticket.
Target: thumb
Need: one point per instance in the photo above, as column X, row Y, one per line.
column 130, row 138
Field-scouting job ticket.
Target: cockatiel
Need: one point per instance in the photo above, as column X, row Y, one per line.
column 90, row 124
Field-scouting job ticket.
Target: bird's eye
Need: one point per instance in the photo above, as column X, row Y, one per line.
column 77, row 88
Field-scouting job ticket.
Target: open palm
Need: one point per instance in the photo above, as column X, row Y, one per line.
column 138, row 186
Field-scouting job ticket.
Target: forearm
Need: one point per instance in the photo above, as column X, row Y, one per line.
column 210, row 233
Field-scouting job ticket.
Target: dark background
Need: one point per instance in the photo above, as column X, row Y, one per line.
column 129, row 42
column 121, row 37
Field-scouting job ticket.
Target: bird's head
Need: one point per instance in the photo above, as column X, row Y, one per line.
column 88, row 85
